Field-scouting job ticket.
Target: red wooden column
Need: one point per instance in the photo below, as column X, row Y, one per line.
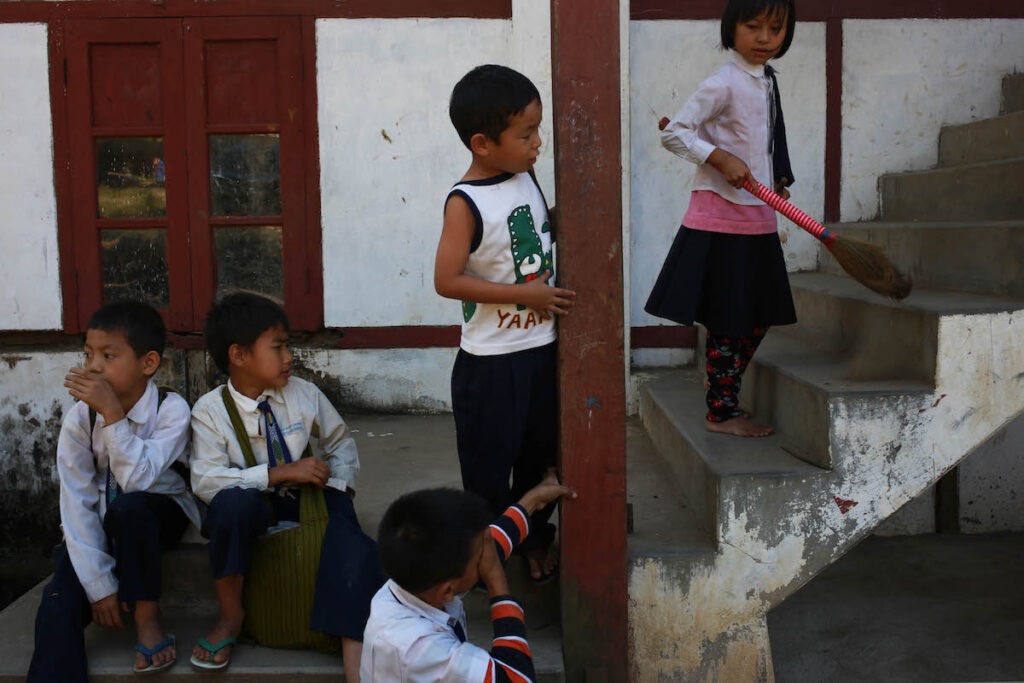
column 588, row 168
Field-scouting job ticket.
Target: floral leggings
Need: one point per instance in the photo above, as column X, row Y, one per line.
column 727, row 359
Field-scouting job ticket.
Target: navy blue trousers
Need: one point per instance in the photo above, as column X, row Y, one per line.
column 349, row 573
column 506, row 426
column 139, row 526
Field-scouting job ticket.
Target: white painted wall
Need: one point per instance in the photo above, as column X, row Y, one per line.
column 904, row 80
column 382, row 200
column 669, row 59
column 30, row 282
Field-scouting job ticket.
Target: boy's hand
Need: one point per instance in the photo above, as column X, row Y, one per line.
column 304, row 471
column 107, row 612
column 542, row 298
column 490, row 570
column 546, row 491
column 732, row 167
column 96, row 393
column 781, row 189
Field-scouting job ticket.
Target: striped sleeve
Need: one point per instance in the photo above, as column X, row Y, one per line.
column 509, row 530
column 511, row 661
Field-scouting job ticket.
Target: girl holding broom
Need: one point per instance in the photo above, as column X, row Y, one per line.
column 725, row 268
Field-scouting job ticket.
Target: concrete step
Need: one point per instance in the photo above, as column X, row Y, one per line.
column 398, row 454
column 664, row 523
column 979, row 141
column 795, row 387
column 981, row 257
column 987, row 191
column 1013, row 93
column 879, row 338
column 708, row 470
column 111, row 652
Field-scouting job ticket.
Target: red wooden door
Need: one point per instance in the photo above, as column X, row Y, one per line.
column 128, row 180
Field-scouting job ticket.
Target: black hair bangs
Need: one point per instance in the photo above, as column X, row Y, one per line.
column 737, row 11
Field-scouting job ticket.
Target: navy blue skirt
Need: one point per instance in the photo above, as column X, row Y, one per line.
column 729, row 283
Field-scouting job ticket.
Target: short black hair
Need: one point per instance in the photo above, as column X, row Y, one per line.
column 484, row 99
column 426, row 537
column 239, row 318
column 745, row 10
column 140, row 323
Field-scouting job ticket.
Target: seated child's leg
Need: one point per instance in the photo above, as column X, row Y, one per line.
column 489, row 423
column 63, row 614
column 141, row 527
column 236, row 517
column 349, row 573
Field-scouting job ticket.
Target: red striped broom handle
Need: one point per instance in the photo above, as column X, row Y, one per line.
column 789, row 211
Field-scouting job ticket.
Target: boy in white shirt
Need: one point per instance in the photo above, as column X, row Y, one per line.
column 436, row 545
column 121, row 459
column 247, row 336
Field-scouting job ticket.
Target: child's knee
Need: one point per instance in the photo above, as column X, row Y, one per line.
column 236, row 508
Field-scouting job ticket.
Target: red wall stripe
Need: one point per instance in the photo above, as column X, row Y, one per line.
column 823, row 10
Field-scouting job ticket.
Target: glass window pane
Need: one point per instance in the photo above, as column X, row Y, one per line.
column 249, row 259
column 130, row 174
column 135, row 266
column 245, row 175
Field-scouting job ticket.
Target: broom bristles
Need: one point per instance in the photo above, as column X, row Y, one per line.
column 868, row 265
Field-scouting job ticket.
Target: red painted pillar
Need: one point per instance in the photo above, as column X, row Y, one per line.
column 588, row 168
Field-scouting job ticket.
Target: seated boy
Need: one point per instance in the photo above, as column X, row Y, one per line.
column 123, row 499
column 435, row 545
column 247, row 336
column 495, row 255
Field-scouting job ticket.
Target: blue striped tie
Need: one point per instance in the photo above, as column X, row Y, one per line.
column 277, row 449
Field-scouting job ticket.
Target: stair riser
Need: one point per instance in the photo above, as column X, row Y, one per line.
column 797, row 411
column 1013, row 93
column 697, row 485
column 980, row 260
column 983, row 192
column 878, row 341
column 988, row 140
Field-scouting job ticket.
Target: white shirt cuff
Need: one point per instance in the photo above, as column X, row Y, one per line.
column 256, row 477
column 100, row 588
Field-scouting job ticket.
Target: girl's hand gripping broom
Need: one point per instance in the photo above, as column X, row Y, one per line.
column 865, row 263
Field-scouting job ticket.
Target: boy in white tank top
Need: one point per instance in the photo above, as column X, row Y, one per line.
column 495, row 256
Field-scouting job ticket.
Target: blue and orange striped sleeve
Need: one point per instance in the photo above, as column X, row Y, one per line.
column 511, row 660
column 509, row 530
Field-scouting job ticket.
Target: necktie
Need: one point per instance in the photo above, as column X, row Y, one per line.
column 277, row 449
column 779, row 148
column 460, row 632
column 113, row 488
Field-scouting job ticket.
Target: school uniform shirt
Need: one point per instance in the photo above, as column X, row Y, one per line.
column 730, row 110
column 139, row 450
column 511, row 245
column 408, row 640
column 302, row 411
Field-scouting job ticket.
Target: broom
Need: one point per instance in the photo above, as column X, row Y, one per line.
column 865, row 263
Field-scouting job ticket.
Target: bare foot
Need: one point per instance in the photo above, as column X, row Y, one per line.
column 225, row 628
column 149, row 634
column 740, row 425
column 542, row 562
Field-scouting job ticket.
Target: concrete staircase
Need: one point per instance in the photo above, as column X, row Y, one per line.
column 398, row 453
column 872, row 400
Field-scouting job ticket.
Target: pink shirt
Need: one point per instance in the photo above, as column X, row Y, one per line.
column 712, row 212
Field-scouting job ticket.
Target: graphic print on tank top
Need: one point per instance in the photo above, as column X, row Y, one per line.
column 528, row 256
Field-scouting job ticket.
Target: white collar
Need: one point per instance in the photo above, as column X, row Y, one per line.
column 249, row 405
column 143, row 408
column 446, row 617
column 755, row 70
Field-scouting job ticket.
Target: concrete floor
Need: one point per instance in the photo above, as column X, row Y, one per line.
column 919, row 608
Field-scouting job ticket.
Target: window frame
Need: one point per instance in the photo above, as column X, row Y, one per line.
column 189, row 254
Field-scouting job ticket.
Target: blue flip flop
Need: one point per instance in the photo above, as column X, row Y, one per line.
column 212, row 649
column 148, row 653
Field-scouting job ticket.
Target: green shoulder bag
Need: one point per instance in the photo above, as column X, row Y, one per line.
column 281, row 583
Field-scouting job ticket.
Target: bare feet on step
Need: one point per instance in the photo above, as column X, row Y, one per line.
column 741, row 425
